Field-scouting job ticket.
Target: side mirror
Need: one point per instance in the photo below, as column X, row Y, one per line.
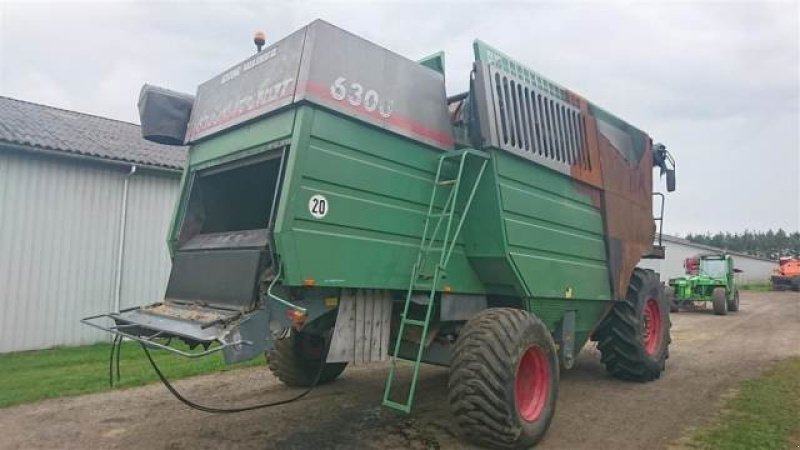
column 670, row 180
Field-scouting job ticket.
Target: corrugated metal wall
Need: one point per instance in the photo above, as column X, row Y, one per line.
column 146, row 263
column 754, row 270
column 59, row 230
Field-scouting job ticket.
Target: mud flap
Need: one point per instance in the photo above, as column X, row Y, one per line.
column 363, row 324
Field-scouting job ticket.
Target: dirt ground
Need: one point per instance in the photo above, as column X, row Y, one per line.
column 709, row 354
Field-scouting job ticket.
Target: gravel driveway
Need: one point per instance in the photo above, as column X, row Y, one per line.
column 709, row 355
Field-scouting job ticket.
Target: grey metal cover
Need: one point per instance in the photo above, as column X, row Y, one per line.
column 252, row 88
column 330, row 67
column 219, row 277
column 164, row 114
column 363, row 80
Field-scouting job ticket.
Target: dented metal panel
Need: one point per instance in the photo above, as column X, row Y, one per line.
column 628, row 213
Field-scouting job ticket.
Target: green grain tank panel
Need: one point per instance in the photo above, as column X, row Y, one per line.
column 526, row 219
column 529, row 221
column 377, row 186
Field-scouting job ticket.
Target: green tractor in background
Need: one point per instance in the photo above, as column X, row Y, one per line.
column 709, row 278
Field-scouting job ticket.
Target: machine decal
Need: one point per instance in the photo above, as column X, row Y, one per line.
column 354, row 93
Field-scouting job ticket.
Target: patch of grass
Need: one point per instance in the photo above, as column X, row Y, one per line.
column 763, row 414
column 65, row 371
column 757, row 287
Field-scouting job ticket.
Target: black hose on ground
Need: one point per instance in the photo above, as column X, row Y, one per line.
column 111, row 362
column 119, row 353
column 116, row 349
column 208, row 409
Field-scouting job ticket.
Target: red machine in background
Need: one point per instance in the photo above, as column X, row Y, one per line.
column 787, row 275
column 692, row 265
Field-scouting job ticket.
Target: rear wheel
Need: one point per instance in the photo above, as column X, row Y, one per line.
column 733, row 303
column 296, row 360
column 720, row 301
column 503, row 380
column 634, row 338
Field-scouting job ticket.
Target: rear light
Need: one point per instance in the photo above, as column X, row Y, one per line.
column 297, row 317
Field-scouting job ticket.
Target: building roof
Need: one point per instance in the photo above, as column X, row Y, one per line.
column 48, row 128
column 678, row 240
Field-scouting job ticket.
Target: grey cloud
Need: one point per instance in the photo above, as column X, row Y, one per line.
column 717, row 82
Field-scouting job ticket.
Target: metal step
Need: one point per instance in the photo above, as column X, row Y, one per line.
column 419, row 323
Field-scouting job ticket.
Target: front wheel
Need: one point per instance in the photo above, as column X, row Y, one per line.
column 733, row 303
column 720, row 301
column 503, row 380
column 634, row 338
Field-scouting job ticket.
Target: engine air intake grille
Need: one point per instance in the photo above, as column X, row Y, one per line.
column 535, row 124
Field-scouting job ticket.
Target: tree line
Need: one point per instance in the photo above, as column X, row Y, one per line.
column 765, row 244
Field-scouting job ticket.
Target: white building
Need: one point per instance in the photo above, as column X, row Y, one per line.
column 754, row 269
column 85, row 204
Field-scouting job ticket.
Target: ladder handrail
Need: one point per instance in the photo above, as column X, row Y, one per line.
column 464, row 216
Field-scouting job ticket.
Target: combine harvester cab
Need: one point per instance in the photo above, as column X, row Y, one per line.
column 337, row 208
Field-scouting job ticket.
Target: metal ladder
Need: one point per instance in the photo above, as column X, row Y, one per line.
column 427, row 272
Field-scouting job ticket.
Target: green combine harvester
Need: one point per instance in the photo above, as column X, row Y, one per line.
column 709, row 278
column 338, row 208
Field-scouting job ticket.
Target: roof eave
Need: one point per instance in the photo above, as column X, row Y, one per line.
column 84, row 157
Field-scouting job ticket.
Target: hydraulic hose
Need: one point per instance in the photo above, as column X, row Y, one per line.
column 212, row 410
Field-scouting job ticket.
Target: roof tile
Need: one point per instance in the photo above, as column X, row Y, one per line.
column 50, row 128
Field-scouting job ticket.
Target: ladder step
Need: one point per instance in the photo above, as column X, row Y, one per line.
column 453, row 154
column 406, row 408
column 419, row 323
column 459, row 153
column 426, row 278
column 446, row 182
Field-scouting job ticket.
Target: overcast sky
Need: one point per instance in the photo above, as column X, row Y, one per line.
column 716, row 82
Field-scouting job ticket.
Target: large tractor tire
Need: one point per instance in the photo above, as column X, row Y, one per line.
column 503, row 380
column 634, row 338
column 669, row 294
column 733, row 302
column 296, row 360
column 720, row 301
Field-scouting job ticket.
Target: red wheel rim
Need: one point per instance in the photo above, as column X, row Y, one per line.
column 652, row 326
column 532, row 384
